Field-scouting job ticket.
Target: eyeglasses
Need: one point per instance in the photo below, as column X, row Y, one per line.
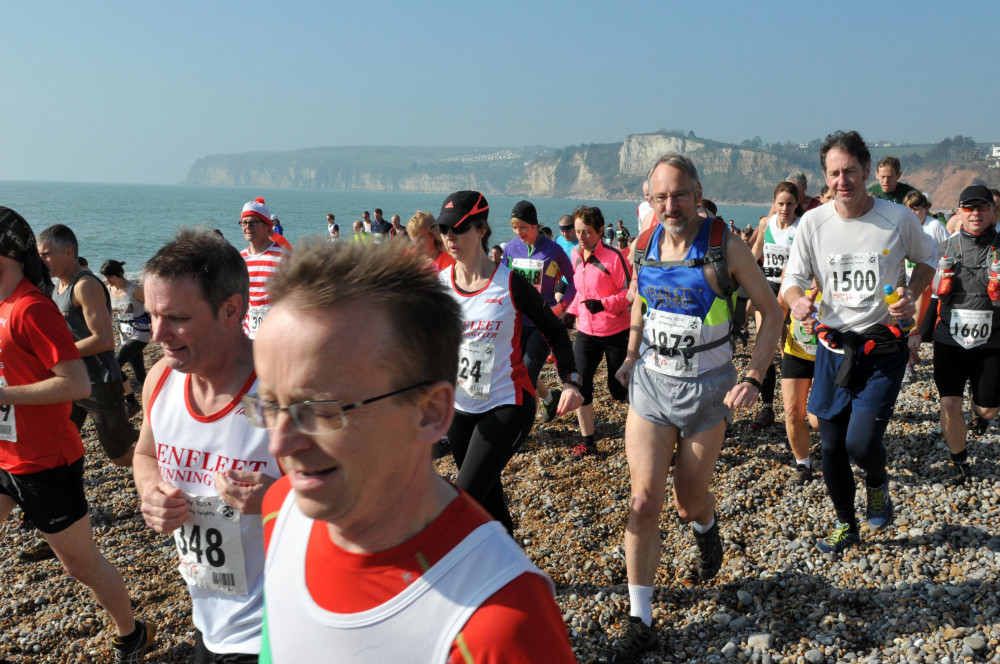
column 457, row 230
column 974, row 207
column 249, row 223
column 311, row 417
column 680, row 197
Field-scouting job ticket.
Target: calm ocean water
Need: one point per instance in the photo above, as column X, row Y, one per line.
column 130, row 222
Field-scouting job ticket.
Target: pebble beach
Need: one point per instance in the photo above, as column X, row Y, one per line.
column 925, row 590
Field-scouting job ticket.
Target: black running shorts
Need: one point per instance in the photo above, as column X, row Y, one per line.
column 53, row 499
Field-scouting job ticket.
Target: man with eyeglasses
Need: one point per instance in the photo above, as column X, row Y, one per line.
column 855, row 248
column 262, row 257
column 371, row 556
column 962, row 322
column 683, row 388
column 201, row 468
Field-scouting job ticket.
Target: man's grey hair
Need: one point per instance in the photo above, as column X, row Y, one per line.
column 799, row 178
column 678, row 161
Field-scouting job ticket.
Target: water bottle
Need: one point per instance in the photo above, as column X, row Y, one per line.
column 944, row 276
column 993, row 287
column 892, row 297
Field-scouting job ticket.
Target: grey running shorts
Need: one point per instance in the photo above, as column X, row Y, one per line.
column 690, row 404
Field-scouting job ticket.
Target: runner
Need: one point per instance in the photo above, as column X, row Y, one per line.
column 201, row 469
column 86, row 306
column 854, row 248
column 888, row 186
column 964, row 329
column 262, row 257
column 798, row 364
column 425, row 236
column 41, row 455
column 371, row 555
column 918, row 202
column 682, row 391
column 601, row 277
column 772, row 246
column 127, row 298
column 494, row 404
column 543, row 263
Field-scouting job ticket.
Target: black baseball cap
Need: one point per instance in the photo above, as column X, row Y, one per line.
column 976, row 192
column 526, row 212
column 463, row 206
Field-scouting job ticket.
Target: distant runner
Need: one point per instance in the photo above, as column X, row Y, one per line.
column 262, row 258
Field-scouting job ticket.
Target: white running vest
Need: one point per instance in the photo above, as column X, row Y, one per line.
column 189, row 449
column 491, row 330
column 777, row 247
column 417, row 625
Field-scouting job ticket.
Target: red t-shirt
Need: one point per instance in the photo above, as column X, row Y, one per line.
column 33, row 339
column 518, row 624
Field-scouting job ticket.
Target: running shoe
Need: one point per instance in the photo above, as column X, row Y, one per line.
column 709, row 551
column 801, row 474
column 764, row 419
column 638, row 638
column 37, row 553
column 549, row 409
column 880, row 512
column 843, row 536
column 134, row 650
column 979, row 425
column 582, row 451
column 960, row 474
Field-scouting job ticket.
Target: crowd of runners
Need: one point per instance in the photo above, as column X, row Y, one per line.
column 295, row 476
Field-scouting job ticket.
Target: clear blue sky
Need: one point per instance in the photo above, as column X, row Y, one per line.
column 136, row 91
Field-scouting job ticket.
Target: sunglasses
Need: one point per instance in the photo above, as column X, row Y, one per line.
column 457, row 230
column 974, row 207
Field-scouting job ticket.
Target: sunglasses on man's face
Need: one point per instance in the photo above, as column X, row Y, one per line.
column 969, row 208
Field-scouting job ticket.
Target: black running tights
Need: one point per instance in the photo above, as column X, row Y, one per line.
column 852, row 436
column 131, row 353
column 482, row 444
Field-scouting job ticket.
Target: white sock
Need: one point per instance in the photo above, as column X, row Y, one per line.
column 640, row 600
column 807, row 462
column 547, row 398
column 700, row 529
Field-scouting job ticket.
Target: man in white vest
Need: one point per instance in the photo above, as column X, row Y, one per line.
column 201, row 469
column 371, row 555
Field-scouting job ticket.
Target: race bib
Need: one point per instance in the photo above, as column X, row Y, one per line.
column 255, row 316
column 529, row 268
column 127, row 330
column 210, row 547
column 807, row 342
column 775, row 258
column 665, row 331
column 8, row 421
column 971, row 328
column 475, row 368
column 854, row 279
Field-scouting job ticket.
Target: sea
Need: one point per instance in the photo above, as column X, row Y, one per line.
column 129, row 222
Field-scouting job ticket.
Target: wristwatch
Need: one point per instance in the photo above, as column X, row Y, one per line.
column 574, row 380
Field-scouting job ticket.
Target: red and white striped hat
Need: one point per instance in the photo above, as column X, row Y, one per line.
column 257, row 208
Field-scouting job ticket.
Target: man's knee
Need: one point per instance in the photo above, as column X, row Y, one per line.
column 952, row 407
column 645, row 509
